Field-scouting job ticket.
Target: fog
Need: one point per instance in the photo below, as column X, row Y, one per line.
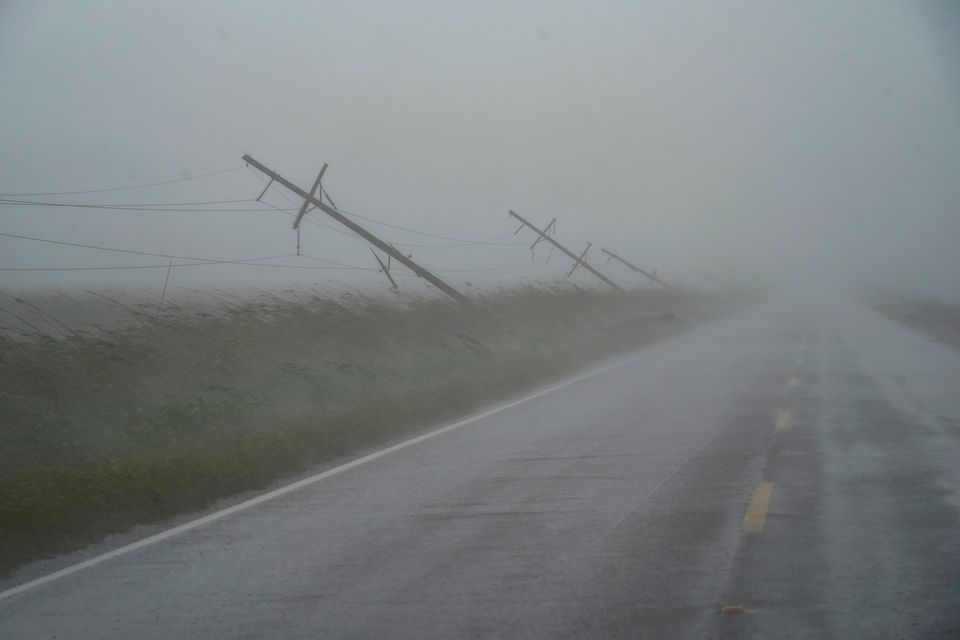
column 753, row 141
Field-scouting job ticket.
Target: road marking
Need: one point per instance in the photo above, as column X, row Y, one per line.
column 300, row 484
column 792, row 382
column 783, row 419
column 757, row 509
column 731, row 609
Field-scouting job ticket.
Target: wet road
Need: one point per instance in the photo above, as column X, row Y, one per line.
column 799, row 462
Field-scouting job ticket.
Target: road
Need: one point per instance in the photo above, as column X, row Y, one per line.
column 798, row 464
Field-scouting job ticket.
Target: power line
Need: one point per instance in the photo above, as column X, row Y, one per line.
column 339, row 264
column 121, row 205
column 460, row 241
column 487, row 269
column 99, row 248
column 482, row 273
column 456, row 245
column 197, row 261
column 136, row 186
column 243, row 263
column 118, row 268
column 158, row 207
column 290, row 213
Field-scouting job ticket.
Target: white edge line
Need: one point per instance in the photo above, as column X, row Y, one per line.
column 290, row 488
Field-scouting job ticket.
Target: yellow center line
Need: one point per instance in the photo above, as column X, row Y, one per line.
column 792, row 382
column 783, row 419
column 757, row 509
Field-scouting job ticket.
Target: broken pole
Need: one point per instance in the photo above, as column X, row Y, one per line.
column 634, row 267
column 569, row 253
column 360, row 231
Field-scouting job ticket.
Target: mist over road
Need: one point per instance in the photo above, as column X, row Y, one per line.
column 797, row 460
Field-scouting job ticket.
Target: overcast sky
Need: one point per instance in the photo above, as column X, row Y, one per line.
column 747, row 139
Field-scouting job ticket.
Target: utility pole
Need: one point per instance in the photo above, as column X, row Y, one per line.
column 573, row 256
column 634, row 267
column 386, row 247
column 546, row 231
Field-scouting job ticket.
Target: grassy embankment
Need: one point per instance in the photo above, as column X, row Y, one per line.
column 103, row 429
column 933, row 318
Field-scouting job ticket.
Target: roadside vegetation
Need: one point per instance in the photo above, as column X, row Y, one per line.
column 936, row 319
column 104, row 428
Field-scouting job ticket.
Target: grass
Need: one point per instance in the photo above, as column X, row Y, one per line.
column 108, row 427
column 934, row 318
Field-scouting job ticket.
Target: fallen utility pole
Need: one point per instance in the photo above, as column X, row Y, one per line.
column 386, row 247
column 637, row 269
column 569, row 253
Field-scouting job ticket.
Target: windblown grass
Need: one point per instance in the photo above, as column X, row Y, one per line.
column 105, row 428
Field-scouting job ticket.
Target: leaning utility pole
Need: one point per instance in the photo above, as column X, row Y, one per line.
column 386, row 247
column 579, row 260
column 637, row 269
column 573, row 256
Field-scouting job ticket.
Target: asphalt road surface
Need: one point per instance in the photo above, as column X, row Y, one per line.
column 796, row 464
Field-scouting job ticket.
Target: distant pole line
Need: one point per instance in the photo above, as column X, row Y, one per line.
column 311, row 200
column 569, row 253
